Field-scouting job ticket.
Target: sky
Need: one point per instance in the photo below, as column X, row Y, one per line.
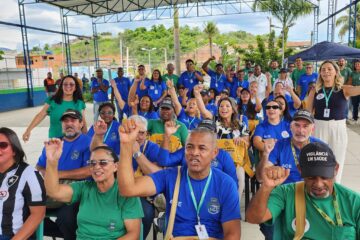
column 46, row 16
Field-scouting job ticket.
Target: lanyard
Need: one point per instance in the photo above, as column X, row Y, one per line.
column 190, row 76
column 216, row 78
column 327, row 98
column 107, row 132
column 325, row 216
column 190, row 122
column 198, row 207
column 294, row 151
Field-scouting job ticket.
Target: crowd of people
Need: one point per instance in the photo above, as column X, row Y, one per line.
column 169, row 143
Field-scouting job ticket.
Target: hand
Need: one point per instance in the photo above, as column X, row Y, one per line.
column 289, row 88
column 217, row 98
column 136, row 147
column 268, row 75
column 113, row 83
column 169, row 84
column 100, row 127
column 197, row 88
column 184, row 94
column 53, row 149
column 26, row 136
column 128, row 132
column 239, row 140
column 170, row 128
column 274, row 175
column 212, row 58
column 269, row 145
column 137, row 79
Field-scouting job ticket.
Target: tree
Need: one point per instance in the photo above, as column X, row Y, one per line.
column 1, row 54
column 343, row 23
column 210, row 30
column 177, row 40
column 286, row 11
column 46, row 47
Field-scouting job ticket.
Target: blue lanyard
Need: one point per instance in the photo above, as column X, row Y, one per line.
column 107, row 132
column 190, row 122
column 217, row 79
column 190, row 76
column 327, row 98
column 198, row 207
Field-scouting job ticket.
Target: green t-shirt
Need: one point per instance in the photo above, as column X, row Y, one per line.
column 346, row 72
column 173, row 77
column 282, row 207
column 295, row 75
column 246, row 71
column 355, row 78
column 274, row 75
column 101, row 215
column 157, row 126
column 55, row 112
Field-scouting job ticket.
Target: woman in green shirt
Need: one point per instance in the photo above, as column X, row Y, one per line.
column 103, row 213
column 68, row 96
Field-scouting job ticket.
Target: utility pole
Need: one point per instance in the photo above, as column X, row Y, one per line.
column 127, row 61
column 121, row 52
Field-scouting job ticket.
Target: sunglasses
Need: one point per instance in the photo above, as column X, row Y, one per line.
column 69, row 84
column 102, row 162
column 107, row 113
column 4, row 145
column 272, row 107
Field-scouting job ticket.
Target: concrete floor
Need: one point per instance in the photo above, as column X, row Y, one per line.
column 19, row 119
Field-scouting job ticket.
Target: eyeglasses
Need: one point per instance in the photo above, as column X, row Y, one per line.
column 102, row 162
column 272, row 107
column 107, row 113
column 69, row 84
column 4, row 145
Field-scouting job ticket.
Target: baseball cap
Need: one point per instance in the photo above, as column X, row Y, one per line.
column 207, row 123
column 283, row 70
column 166, row 103
column 204, row 92
column 317, row 160
column 303, row 114
column 225, row 91
column 245, row 90
column 71, row 113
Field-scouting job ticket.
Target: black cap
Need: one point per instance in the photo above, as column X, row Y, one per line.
column 166, row 103
column 225, row 91
column 317, row 160
column 303, row 114
column 71, row 113
column 283, row 70
column 245, row 90
column 207, row 123
column 204, row 92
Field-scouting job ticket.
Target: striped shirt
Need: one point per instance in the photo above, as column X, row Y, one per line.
column 21, row 186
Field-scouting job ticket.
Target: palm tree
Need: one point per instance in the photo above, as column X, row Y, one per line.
column 343, row 23
column 210, row 30
column 286, row 11
column 177, row 41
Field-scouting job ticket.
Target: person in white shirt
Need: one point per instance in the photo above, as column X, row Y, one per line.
column 264, row 82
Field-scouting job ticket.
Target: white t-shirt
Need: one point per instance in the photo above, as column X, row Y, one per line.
column 262, row 84
column 286, row 82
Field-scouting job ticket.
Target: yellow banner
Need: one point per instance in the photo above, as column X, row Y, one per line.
column 174, row 144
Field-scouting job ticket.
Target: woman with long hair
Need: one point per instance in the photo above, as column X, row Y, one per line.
column 156, row 87
column 68, row 96
column 284, row 108
column 328, row 102
column 23, row 192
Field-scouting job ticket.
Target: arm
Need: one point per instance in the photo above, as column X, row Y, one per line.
column 174, row 97
column 147, row 167
column 164, row 94
column 133, row 88
column 170, row 128
column 36, row 120
column 84, row 129
column 117, row 94
column 258, row 106
column 59, row 192
column 100, row 129
column 37, row 214
column 295, row 98
column 258, row 143
column 128, row 185
column 351, row 91
column 298, row 89
column 206, row 63
column 264, row 160
column 142, row 84
column 349, row 81
column 200, row 103
column 268, row 85
column 309, row 100
column 133, row 227
column 232, row 230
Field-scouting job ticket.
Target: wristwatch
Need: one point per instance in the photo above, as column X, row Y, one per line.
column 137, row 154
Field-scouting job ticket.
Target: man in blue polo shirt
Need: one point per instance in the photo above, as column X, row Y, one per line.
column 72, row 165
column 304, row 80
column 99, row 88
column 190, row 77
column 207, row 204
column 237, row 81
column 123, row 85
column 218, row 77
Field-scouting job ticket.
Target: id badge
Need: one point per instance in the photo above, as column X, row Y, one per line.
column 201, row 232
column 216, row 85
column 326, row 112
column 156, row 91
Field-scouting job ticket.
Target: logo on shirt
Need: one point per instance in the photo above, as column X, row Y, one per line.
column 285, row 134
column 320, row 96
column 12, row 180
column 112, row 225
column 214, row 206
column 179, row 203
column 152, row 87
column 214, row 163
column 75, row 155
column 3, row 195
column 113, row 136
column 307, row 225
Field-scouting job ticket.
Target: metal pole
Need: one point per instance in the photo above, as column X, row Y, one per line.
column 165, row 53
column 127, row 61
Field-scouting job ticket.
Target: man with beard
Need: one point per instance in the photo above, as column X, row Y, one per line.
column 72, row 165
column 156, row 126
column 317, row 208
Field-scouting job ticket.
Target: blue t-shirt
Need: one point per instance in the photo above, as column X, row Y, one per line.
column 282, row 155
column 189, row 80
column 265, row 130
column 149, row 115
column 190, row 122
column 140, row 92
column 111, row 137
column 289, row 100
column 75, row 154
column 123, row 85
column 212, row 108
column 221, row 202
column 217, row 81
column 223, row 161
column 304, row 81
column 100, row 95
column 155, row 89
column 235, row 84
column 151, row 153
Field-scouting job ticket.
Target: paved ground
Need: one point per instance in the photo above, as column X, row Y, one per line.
column 19, row 119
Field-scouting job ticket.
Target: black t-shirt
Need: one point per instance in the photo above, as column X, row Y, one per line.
column 337, row 105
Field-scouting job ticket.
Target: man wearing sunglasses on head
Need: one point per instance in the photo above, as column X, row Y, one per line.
column 71, row 165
